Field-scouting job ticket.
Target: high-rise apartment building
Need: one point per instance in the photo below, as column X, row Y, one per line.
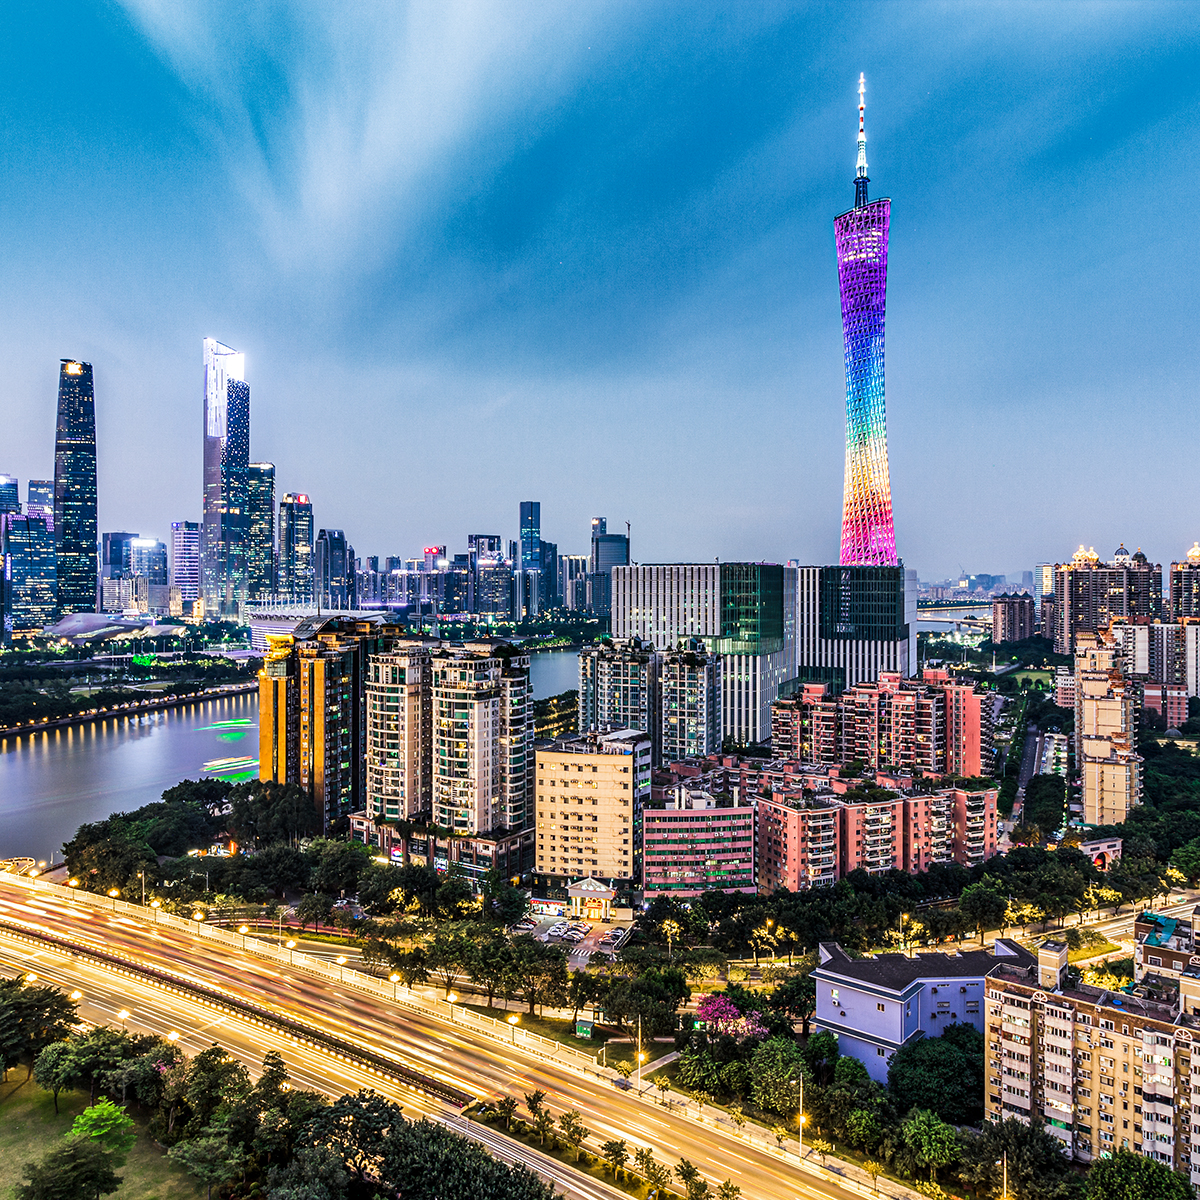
column 312, row 710
column 482, row 738
column 743, row 611
column 868, row 536
column 28, row 575
column 697, row 843
column 1088, row 593
column 854, row 623
column 224, row 536
column 185, row 559
column 590, row 793
column 618, row 687
column 40, row 501
column 1106, row 721
column 399, row 716
column 75, row 489
column 295, row 564
column 1012, row 619
column 1184, row 587
column 1161, row 652
column 689, row 701
column 260, row 531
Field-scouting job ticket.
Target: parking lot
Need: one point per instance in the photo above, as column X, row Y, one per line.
column 580, row 938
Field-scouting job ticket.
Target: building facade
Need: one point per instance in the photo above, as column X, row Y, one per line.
column 185, row 559
column 1106, row 723
column 260, row 531
column 697, row 843
column 1089, row 594
column 1013, row 619
column 1184, row 586
column 689, row 702
column 333, row 571
column 294, row 576
column 618, row 687
column 75, row 490
column 28, row 575
column 399, row 731
column 590, row 793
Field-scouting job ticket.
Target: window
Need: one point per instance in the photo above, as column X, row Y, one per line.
column 879, row 1050
column 881, row 1009
column 833, row 995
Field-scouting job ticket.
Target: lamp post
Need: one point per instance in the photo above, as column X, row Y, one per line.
column 341, row 962
column 142, row 877
column 243, row 930
column 123, row 1016
column 514, row 1021
column 291, row 946
column 640, row 1055
column 72, row 884
column 156, row 905
column 394, row 980
column 451, row 998
column 800, row 1119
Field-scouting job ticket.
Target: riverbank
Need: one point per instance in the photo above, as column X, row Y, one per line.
column 133, row 708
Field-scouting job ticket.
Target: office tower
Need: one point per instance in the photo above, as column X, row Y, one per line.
column 28, row 575
column 116, row 555
column 10, row 494
column 333, row 569
column 608, row 550
column 1088, row 593
column 260, row 531
column 40, row 493
column 551, row 597
column 1043, row 585
column 399, row 714
column 868, row 537
column 295, row 581
column 1184, row 587
column 572, row 581
column 689, row 693
column 618, row 687
column 312, row 713
column 531, row 536
column 75, row 488
column 853, row 623
column 493, row 585
column 744, row 611
column 185, row 559
column 1106, row 721
column 148, row 559
column 1012, row 619
column 226, row 459
column 590, row 793
column 482, row 738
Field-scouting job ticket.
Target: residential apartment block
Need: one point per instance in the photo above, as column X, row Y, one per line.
column 1106, row 722
column 590, row 793
column 1088, row 593
column 1013, row 619
column 697, row 843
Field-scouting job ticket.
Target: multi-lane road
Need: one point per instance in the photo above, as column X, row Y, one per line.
column 464, row 1057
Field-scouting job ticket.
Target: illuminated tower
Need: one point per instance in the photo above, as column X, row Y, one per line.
column 868, row 537
column 75, row 489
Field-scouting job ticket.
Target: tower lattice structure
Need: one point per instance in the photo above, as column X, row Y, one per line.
column 868, row 534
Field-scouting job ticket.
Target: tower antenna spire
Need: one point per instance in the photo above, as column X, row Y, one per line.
column 860, row 169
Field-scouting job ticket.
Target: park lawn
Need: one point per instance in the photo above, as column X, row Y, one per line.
column 29, row 1128
column 555, row 1028
column 1046, row 677
column 1106, row 947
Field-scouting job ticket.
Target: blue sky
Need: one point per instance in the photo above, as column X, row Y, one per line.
column 483, row 252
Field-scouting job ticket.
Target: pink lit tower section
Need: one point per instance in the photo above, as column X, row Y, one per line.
column 868, row 536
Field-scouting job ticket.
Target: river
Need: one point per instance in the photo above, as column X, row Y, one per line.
column 53, row 782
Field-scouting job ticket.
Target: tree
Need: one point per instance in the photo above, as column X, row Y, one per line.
column 664, row 1086
column 775, row 1068
column 539, row 970
column 57, row 1069
column 934, row 1143
column 985, row 904
column 449, row 954
column 582, row 989
column 573, row 1130
column 356, row 1127
column 874, row 1169
column 315, row 907
column 506, row 1106
column 1186, row 859
column 1037, row 1169
column 935, row 1074
column 78, row 1167
column 490, row 961
column 797, row 996
column 863, row 1129
column 822, row 1147
column 109, row 1125
column 1129, row 1176
column 32, row 1017
column 337, row 866
column 728, row 1191
column 616, row 1154
column 821, row 1056
column 543, row 1124
column 643, row 1158
column 210, row 1159
column 315, row 1173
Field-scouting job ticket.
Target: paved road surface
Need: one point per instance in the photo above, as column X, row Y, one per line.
column 464, row 1057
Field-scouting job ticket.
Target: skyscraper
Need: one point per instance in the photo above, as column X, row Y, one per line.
column 868, row 536
column 28, row 579
column 75, row 488
column 333, row 566
column 295, row 578
column 185, row 559
column 223, row 541
column 40, row 502
column 260, row 531
column 10, row 494
column 531, row 535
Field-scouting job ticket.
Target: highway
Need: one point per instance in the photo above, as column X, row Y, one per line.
column 464, row 1057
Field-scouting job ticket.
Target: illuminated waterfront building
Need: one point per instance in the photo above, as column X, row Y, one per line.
column 28, row 575
column 40, row 501
column 260, row 530
column 75, row 489
column 868, row 536
column 185, row 559
column 295, row 573
column 224, row 535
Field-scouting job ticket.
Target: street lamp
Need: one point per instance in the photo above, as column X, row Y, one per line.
column 451, row 999
column 123, row 1016
column 243, row 930
column 31, row 977
column 800, row 1119
column 76, row 995
column 514, row 1020
column 156, row 905
column 114, row 892
column 341, row 962
column 142, row 877
column 394, row 979
column 173, row 1036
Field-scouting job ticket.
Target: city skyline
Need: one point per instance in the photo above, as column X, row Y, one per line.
column 480, row 277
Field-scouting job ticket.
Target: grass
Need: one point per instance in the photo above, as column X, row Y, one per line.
column 29, row 1129
column 1105, row 947
column 554, row 1028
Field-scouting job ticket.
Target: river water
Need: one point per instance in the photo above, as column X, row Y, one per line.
column 53, row 782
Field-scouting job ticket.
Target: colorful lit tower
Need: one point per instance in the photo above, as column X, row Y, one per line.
column 868, row 536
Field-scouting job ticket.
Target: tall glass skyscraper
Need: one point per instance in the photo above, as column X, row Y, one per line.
column 868, row 536
column 531, row 535
column 260, row 545
column 40, row 503
column 225, row 532
column 75, row 489
column 30, row 581
column 10, row 494
column 185, row 559
column 295, row 575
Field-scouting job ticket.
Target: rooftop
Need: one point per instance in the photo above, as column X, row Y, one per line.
column 897, row 971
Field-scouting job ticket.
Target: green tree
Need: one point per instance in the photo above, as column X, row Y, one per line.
column 775, row 1069
column 77, row 1167
column 210, row 1159
column 32, row 1017
column 935, row 1074
column 534, row 1101
column 933, row 1143
column 728, row 1191
column 315, row 907
column 109, row 1125
column 337, row 866
column 863, row 1129
column 615, row 1153
column 984, row 904
column 449, row 953
column 643, row 1160
column 822, row 1147
column 57, row 1070
column 1186, row 859
column 874, row 1169
column 356, row 1127
column 539, row 970
column 1129, row 1176
column 543, row 1125
column 506, row 1106
column 1037, row 1169
column 797, row 996
column 573, row 1130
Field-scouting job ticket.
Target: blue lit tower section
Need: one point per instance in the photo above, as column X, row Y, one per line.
column 77, row 571
column 868, row 535
column 224, row 530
